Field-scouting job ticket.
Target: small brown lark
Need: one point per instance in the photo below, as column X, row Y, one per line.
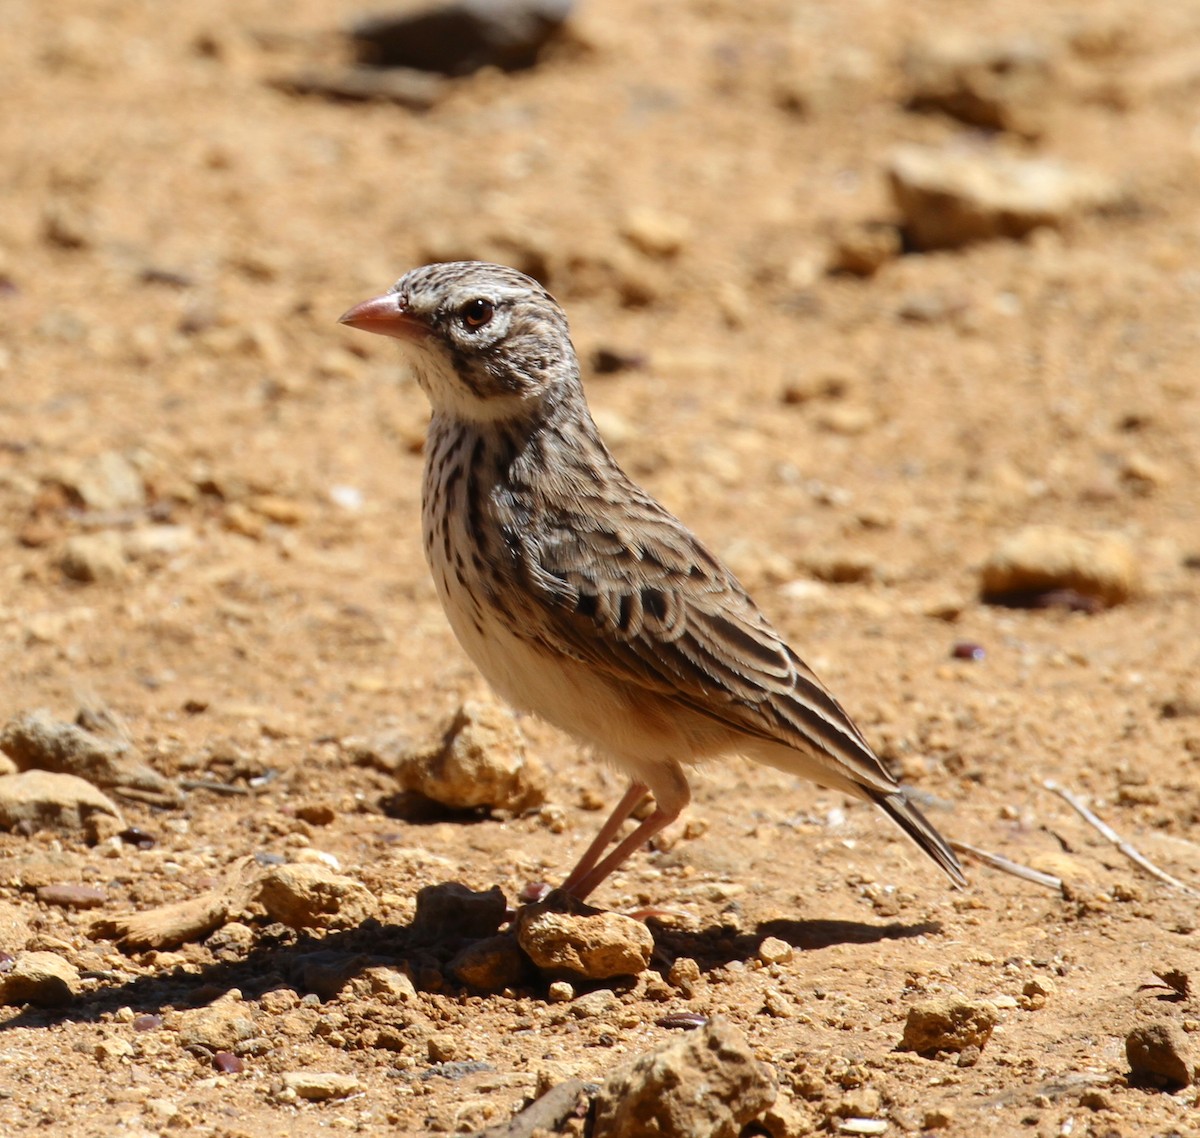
column 575, row 593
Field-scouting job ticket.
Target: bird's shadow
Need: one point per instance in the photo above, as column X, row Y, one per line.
column 324, row 965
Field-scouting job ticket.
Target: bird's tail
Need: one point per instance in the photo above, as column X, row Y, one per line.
column 897, row 807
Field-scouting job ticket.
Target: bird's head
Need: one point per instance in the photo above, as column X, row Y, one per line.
column 486, row 342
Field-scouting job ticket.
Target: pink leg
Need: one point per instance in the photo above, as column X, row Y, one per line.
column 628, row 804
column 581, row 886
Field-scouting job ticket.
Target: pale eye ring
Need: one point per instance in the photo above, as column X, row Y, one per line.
column 478, row 312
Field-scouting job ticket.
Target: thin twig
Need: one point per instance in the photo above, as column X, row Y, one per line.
column 1104, row 828
column 997, row 861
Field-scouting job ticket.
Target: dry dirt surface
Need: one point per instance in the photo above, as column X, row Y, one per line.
column 209, row 494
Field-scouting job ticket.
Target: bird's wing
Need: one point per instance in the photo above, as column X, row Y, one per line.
column 644, row 602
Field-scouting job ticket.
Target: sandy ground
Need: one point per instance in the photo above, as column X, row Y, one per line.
column 177, row 240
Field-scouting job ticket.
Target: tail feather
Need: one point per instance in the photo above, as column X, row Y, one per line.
column 897, row 807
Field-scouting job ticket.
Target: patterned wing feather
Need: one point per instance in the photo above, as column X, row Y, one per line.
column 659, row 611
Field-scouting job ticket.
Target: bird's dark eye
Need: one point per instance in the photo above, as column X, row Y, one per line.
column 476, row 313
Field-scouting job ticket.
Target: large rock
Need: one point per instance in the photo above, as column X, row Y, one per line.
column 41, row 800
column 1160, row 1053
column 953, row 195
column 35, row 740
column 314, row 897
column 476, row 760
column 948, row 1023
column 708, row 1084
column 588, row 942
column 1042, row 559
column 43, row 979
column 460, row 37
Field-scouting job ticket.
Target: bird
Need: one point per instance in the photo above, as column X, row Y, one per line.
column 577, row 595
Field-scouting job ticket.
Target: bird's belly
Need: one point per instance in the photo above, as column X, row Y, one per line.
column 633, row 727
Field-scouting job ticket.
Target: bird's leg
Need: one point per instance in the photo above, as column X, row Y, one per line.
column 581, row 886
column 630, row 801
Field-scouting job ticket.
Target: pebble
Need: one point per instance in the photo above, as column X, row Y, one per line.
column 477, row 759
column 392, row 984
column 1043, row 559
column 43, row 979
column 107, row 481
column 459, row 38
column 655, row 234
column 1160, row 1053
column 785, row 1118
column 95, row 558
column 705, row 1082
column 315, row 897
column 948, row 1023
column 36, row 800
column 775, row 951
column 599, row 1003
column 319, row 1087
column 591, row 943
column 72, row 896
column 863, row 248
column 953, row 195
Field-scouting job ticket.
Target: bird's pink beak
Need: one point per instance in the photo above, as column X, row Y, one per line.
column 387, row 316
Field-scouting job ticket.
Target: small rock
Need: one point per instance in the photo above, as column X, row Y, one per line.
column 154, row 546
column 595, row 1004
column 219, row 1027
column 452, row 911
column 43, row 979
column 785, row 1118
column 110, row 1051
column 35, row 740
column 862, row 249
column 442, row 1047
column 314, row 897
column 590, row 943
column 109, row 481
column 560, row 992
column 319, row 1087
column 954, row 195
column 477, row 760
column 39, row 800
column 707, row 1082
column 227, row 1063
column 1042, row 559
column 998, row 84
column 948, row 1023
column 390, row 983
column 655, row 234
column 775, row 951
column 1035, row 993
column 685, row 975
column 72, row 896
column 95, row 558
column 460, row 37
column 489, row 965
column 1160, row 1053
